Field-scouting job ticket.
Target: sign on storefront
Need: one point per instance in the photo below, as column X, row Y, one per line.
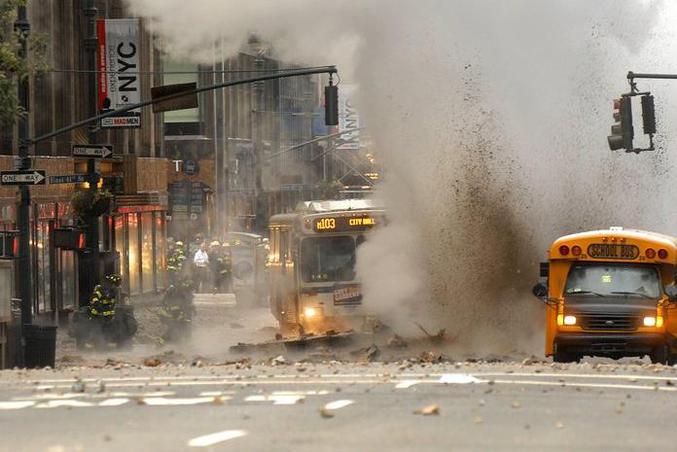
column 118, row 66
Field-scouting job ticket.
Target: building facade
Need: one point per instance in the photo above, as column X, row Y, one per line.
column 135, row 226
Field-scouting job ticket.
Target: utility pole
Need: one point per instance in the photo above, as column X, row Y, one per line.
column 91, row 43
column 23, row 27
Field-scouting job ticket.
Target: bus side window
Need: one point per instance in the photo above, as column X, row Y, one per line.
column 284, row 246
column 274, row 253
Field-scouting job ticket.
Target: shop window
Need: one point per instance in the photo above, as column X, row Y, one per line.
column 134, row 254
column 121, row 248
column 147, row 277
column 160, row 249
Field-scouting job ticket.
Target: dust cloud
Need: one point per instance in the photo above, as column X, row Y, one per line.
column 491, row 120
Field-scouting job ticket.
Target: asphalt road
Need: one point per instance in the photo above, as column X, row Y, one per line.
column 199, row 396
column 341, row 406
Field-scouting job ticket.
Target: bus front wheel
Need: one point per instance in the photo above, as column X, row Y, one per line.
column 562, row 356
column 659, row 355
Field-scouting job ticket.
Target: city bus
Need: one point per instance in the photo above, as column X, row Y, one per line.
column 311, row 265
column 610, row 293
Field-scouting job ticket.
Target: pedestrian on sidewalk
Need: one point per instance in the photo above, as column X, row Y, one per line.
column 201, row 264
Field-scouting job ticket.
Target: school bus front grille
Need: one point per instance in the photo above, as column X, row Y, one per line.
column 609, row 322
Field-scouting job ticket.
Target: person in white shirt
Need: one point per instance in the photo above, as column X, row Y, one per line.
column 201, row 263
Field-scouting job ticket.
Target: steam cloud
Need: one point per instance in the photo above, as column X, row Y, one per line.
column 491, row 118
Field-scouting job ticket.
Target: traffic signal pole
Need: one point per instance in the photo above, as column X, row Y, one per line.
column 25, row 292
column 147, row 103
column 91, row 42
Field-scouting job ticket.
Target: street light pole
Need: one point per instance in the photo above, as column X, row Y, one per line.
column 22, row 26
column 91, row 42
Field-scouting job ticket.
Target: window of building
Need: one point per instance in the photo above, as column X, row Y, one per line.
column 181, row 122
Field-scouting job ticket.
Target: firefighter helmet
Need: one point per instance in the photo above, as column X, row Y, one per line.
column 114, row 279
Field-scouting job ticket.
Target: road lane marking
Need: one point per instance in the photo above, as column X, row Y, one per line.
column 16, row 405
column 338, row 404
column 66, row 403
column 276, row 399
column 161, row 401
column 588, row 385
column 591, row 376
column 405, row 384
column 114, row 402
column 215, row 438
column 459, row 379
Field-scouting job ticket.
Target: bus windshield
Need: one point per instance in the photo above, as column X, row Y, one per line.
column 613, row 280
column 326, row 259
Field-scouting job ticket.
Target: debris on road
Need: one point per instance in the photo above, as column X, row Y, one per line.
column 367, row 354
column 278, row 360
column 78, row 386
column 515, row 404
column 325, row 413
column 151, row 362
column 429, row 410
column 397, row 342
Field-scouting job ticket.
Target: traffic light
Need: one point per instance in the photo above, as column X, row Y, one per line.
column 622, row 133
column 648, row 114
column 331, row 105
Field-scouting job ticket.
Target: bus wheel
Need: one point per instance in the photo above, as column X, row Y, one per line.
column 564, row 357
column 659, row 355
column 672, row 359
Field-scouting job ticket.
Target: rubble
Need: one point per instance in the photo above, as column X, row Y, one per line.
column 367, row 354
column 429, row 410
column 151, row 362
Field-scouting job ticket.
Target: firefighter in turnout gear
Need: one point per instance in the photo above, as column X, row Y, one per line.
column 177, row 310
column 102, row 322
column 176, row 258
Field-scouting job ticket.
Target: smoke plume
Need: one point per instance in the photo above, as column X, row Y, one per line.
column 491, row 120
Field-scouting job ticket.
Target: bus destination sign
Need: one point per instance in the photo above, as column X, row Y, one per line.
column 343, row 224
column 613, row 251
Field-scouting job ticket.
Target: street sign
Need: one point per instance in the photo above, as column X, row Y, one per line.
column 101, row 151
column 29, row 177
column 68, row 179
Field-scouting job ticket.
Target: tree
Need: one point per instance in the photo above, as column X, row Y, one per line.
column 13, row 67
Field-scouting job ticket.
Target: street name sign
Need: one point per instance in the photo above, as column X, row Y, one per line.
column 29, row 177
column 101, row 151
column 68, row 179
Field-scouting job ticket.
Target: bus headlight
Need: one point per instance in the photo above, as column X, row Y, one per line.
column 309, row 313
column 570, row 320
column 652, row 321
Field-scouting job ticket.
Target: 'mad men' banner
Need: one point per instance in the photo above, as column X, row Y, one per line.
column 118, row 66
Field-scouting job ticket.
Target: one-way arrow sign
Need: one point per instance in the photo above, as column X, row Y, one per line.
column 68, row 179
column 101, row 151
column 29, row 177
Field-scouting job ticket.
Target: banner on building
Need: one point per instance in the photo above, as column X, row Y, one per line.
column 349, row 118
column 118, row 68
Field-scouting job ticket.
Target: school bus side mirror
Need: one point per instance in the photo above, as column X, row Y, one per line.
column 540, row 290
column 671, row 291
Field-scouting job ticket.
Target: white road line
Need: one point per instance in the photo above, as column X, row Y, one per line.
column 564, row 376
column 215, row 438
column 161, row 401
column 114, row 402
column 338, row 404
column 459, row 379
column 587, row 385
column 16, row 405
column 406, row 384
column 67, row 403
column 276, row 399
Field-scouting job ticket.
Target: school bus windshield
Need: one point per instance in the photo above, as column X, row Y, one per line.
column 325, row 259
column 608, row 280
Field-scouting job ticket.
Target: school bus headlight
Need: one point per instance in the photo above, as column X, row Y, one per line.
column 570, row 320
column 652, row 321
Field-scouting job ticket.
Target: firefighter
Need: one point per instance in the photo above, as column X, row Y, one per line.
column 102, row 322
column 225, row 268
column 177, row 310
column 175, row 261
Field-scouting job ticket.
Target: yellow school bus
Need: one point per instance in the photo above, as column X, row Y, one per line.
column 311, row 265
column 610, row 293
